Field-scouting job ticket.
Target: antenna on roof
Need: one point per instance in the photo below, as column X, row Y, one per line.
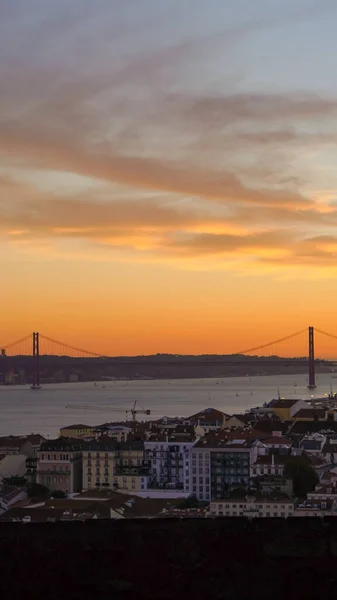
column 278, row 393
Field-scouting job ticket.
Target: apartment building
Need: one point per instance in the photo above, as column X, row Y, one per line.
column 59, row 465
column 219, row 463
column 272, row 463
column 169, row 454
column 252, row 507
column 115, row 465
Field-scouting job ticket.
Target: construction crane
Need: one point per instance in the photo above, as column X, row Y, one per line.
column 134, row 410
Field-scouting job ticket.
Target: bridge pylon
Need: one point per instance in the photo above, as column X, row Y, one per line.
column 312, row 377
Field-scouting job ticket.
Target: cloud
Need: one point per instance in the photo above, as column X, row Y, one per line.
column 219, row 170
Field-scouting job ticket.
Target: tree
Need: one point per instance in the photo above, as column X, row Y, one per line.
column 58, row 494
column 239, row 492
column 36, row 489
column 304, row 477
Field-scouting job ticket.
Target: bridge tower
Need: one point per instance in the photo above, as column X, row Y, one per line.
column 312, row 379
column 36, row 362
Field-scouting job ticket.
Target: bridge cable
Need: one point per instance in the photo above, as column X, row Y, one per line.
column 284, row 339
column 80, row 350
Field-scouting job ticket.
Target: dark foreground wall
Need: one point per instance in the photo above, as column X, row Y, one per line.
column 167, row 559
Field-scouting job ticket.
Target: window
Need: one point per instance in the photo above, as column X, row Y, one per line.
column 42, row 457
column 89, row 454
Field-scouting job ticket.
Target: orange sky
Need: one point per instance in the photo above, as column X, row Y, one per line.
column 154, row 202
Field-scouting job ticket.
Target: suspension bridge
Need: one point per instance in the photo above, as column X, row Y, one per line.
column 36, row 346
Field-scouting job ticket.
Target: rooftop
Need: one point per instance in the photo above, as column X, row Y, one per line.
column 108, row 444
column 310, row 413
column 209, row 414
column 77, row 426
column 284, row 402
column 277, row 440
column 62, row 444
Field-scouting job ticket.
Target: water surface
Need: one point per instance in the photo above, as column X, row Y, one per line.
column 24, row 411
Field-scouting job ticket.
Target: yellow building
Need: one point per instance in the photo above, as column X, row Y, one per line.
column 112, row 465
column 285, row 408
column 76, row 431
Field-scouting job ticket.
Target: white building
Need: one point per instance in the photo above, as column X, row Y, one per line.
column 219, row 463
column 252, row 507
column 170, row 458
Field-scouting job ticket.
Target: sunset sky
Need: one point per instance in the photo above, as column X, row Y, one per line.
column 168, row 173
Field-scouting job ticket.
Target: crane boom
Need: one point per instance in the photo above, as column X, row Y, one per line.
column 134, row 411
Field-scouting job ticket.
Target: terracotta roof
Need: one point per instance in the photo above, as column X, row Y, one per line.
column 226, row 439
column 244, row 418
column 310, row 413
column 313, row 426
column 268, row 426
column 277, row 440
column 208, row 415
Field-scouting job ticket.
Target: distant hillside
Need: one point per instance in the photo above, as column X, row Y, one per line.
column 159, row 366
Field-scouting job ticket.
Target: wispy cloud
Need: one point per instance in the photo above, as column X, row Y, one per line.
column 219, row 168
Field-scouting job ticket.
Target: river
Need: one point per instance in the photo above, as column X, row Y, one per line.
column 24, row 411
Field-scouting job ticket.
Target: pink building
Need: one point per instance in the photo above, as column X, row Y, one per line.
column 59, row 465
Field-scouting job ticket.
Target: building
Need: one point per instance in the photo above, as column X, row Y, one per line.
column 59, row 465
column 12, row 466
column 272, row 463
column 329, row 451
column 169, row 454
column 9, row 496
column 239, row 421
column 220, row 464
column 311, row 414
column 277, row 442
column 252, row 507
column 313, row 443
column 115, row 431
column 16, row 445
column 115, row 465
column 285, row 409
column 209, row 419
column 76, row 431
column 35, row 440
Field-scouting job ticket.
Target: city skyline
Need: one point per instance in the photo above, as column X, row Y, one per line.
column 167, row 178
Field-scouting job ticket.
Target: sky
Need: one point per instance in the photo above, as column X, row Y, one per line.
column 168, row 176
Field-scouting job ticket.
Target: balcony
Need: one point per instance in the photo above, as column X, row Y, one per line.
column 132, row 471
column 53, row 472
